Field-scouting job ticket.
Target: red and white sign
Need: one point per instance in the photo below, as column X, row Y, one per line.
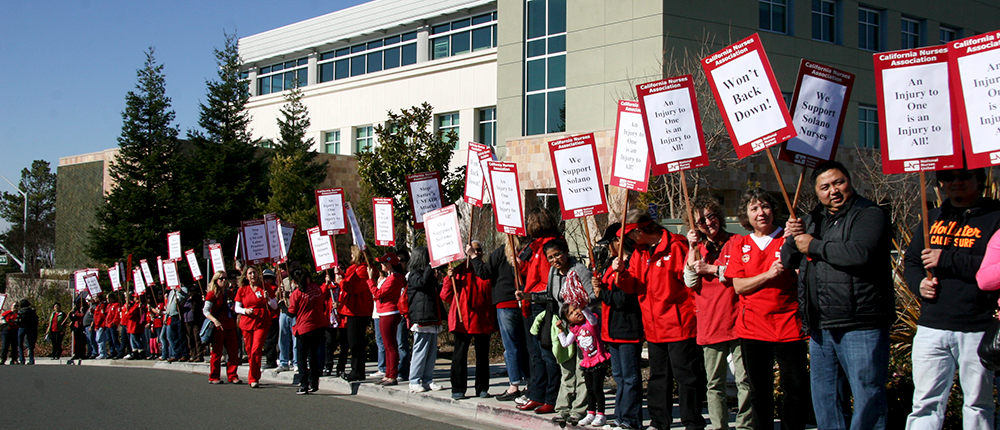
column 748, row 96
column 115, row 278
column 818, row 106
column 356, row 236
column 975, row 85
column 330, row 209
column 484, row 158
column 3, row 299
column 78, row 283
column 424, row 190
column 323, row 252
column 174, row 246
column 506, row 197
column 144, row 265
column 915, row 111
column 672, row 125
column 287, row 231
column 475, row 193
column 578, row 176
column 170, row 273
column 215, row 253
column 192, row 261
column 137, row 279
column 273, row 237
column 255, row 247
column 630, row 167
column 94, row 287
column 444, row 240
column 385, row 227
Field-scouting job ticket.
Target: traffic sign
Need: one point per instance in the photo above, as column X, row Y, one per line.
column 3, row 259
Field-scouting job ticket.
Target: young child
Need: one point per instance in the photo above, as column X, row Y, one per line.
column 593, row 356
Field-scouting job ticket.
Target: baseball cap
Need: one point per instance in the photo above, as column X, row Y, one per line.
column 389, row 257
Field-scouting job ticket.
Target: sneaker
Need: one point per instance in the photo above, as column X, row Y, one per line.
column 379, row 374
column 302, row 390
column 416, row 388
column 484, row 395
column 127, row 357
column 313, row 389
column 295, row 368
column 521, row 400
column 281, row 368
column 236, row 381
column 458, row 396
column 587, row 420
column 434, row 386
column 254, row 385
column 599, row 420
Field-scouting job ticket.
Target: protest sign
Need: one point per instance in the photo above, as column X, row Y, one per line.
column 915, row 111
column 323, row 252
column 974, row 66
column 385, row 226
column 474, row 175
column 3, row 300
column 273, row 237
column 149, row 275
column 444, row 240
column 506, row 197
column 174, row 246
column 138, row 281
column 356, row 236
column 630, row 167
column 170, row 273
column 484, row 158
column 159, row 271
column 748, row 96
column 192, row 261
column 672, row 125
column 78, row 283
column 424, row 191
column 578, row 176
column 818, row 111
column 255, row 247
column 330, row 209
column 93, row 286
column 115, row 278
column 287, row 230
column 218, row 263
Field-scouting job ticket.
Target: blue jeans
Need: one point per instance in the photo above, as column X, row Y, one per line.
column 515, row 353
column 175, row 334
column 114, row 345
column 862, row 358
column 26, row 344
column 405, row 349
column 286, row 342
column 91, row 342
column 102, row 342
column 164, row 345
column 381, row 347
column 625, row 371
column 424, row 356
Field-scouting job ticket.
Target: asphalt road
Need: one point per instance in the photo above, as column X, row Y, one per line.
column 92, row 397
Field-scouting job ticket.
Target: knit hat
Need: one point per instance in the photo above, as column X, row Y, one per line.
column 573, row 293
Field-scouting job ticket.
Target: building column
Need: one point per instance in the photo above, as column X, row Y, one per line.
column 313, row 71
column 252, row 77
column 423, row 44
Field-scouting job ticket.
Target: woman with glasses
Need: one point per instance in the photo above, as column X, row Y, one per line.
column 256, row 303
column 225, row 334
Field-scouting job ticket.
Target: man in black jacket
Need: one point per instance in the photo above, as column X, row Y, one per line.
column 841, row 250
column 954, row 312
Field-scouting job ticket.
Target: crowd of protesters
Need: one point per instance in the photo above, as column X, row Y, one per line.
column 812, row 295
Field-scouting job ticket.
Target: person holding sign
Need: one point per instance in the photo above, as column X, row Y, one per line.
column 256, row 304
column 308, row 302
column 767, row 322
column 225, row 334
column 385, row 289
column 424, row 317
column 471, row 317
column 357, row 306
column 841, row 250
column 705, row 273
column 954, row 311
column 655, row 273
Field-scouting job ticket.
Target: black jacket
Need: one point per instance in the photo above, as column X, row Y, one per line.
column 623, row 312
column 962, row 235
column 423, row 297
column 27, row 319
column 846, row 283
column 498, row 270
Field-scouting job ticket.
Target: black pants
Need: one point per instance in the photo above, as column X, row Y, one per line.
column 56, row 337
column 593, row 378
column 681, row 361
column 796, row 405
column 309, row 349
column 193, row 332
column 271, row 344
column 9, row 339
column 358, row 344
column 543, row 385
column 336, row 337
column 79, row 343
column 460, row 362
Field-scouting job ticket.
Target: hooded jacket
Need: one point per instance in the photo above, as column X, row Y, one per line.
column 423, row 293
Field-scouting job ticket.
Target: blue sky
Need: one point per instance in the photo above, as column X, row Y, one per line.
column 67, row 65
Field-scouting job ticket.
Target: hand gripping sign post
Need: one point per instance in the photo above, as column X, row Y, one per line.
column 818, row 104
column 424, row 192
column 673, row 129
column 578, row 180
column 255, row 247
column 174, row 246
column 385, row 228
column 330, row 210
column 324, row 255
column 215, row 253
column 444, row 240
column 750, row 101
column 507, row 211
column 975, row 85
column 915, row 115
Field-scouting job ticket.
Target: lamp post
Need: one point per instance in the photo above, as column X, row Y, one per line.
column 24, row 239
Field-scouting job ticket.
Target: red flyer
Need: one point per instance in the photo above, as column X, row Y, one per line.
column 818, row 111
column 506, row 197
column 975, row 85
column 748, row 96
column 578, row 176
column 915, row 111
column 672, row 125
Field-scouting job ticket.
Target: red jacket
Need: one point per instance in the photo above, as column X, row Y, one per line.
column 355, row 296
column 770, row 313
column 474, row 300
column 98, row 315
column 387, row 295
column 536, row 270
column 716, row 303
column 113, row 315
column 656, row 276
column 131, row 319
column 11, row 318
column 311, row 309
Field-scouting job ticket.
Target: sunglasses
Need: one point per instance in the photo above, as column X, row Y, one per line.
column 948, row 176
column 707, row 218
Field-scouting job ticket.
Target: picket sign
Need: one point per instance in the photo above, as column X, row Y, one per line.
column 506, row 197
column 578, row 176
column 287, row 233
column 273, row 237
column 630, row 166
column 174, row 246
column 137, row 280
column 356, row 236
column 385, row 226
column 323, row 252
column 444, row 239
column 192, row 261
column 218, row 263
column 484, row 158
column 93, row 287
column 78, row 283
column 972, row 66
column 170, row 272
column 3, row 299
column 425, row 194
column 115, row 277
column 475, row 186
column 255, row 246
column 159, row 270
column 330, row 210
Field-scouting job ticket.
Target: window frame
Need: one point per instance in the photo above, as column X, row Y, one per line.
column 547, row 91
column 491, row 122
column 786, row 17
column 358, row 54
column 870, row 111
column 878, row 45
column 917, row 37
column 833, row 19
column 327, row 142
column 370, row 138
column 453, row 118
column 294, row 67
column 956, row 33
column 470, row 28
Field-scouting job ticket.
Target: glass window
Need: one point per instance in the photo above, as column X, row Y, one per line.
column 462, row 23
column 282, row 76
column 824, row 20
column 326, row 72
column 535, row 18
column 391, row 40
column 557, row 16
column 948, row 34
column 545, row 72
column 773, row 15
column 410, row 36
column 441, row 28
column 364, row 139
column 535, row 48
column 264, row 86
column 868, row 135
column 463, row 36
column 482, row 38
column 326, row 56
column 331, row 142
column 374, row 62
column 556, row 111
column 343, row 69
column 439, row 48
column 343, row 51
column 910, row 33
column 391, row 58
column 536, row 75
column 276, row 82
column 358, row 65
column 375, row 44
column 460, row 43
column 557, row 72
column 557, row 44
column 448, row 122
column 534, row 114
column 482, row 19
column 488, row 126
column 409, row 54
column 358, row 48
column 869, row 29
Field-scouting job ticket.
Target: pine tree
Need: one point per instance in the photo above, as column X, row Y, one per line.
column 225, row 177
column 141, row 207
column 295, row 175
column 39, row 183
